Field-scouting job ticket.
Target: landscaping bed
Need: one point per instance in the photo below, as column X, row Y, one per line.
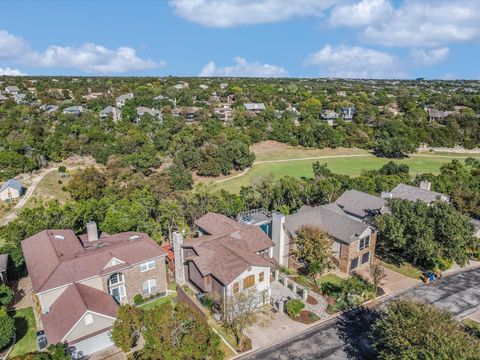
column 306, row 317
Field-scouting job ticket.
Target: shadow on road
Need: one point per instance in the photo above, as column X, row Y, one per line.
column 353, row 328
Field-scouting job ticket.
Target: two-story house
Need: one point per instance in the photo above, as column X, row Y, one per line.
column 227, row 257
column 78, row 282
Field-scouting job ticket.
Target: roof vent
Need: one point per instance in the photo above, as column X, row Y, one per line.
column 134, row 237
column 59, row 237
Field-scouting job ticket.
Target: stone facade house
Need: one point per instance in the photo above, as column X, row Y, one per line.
column 228, row 257
column 79, row 281
column 354, row 242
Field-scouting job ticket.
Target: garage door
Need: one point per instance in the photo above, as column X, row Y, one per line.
column 90, row 346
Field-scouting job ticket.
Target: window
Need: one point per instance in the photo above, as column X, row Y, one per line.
column 149, row 265
column 88, row 319
column 354, row 264
column 364, row 243
column 365, row 257
column 261, row 276
column 149, row 287
column 249, row 281
column 116, row 278
column 235, row 288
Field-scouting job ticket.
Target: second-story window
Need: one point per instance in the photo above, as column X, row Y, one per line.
column 364, row 243
column 149, row 265
column 249, row 281
column 116, row 278
column 261, row 276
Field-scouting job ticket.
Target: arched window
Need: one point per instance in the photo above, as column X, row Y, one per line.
column 116, row 287
column 149, row 287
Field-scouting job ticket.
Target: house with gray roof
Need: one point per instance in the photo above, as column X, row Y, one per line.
column 12, row 90
column 3, row 99
column 254, row 108
column 348, row 113
column 10, row 190
column 142, row 110
column 361, row 206
column 413, row 193
column 354, row 241
column 123, row 98
column 110, row 111
column 19, row 98
column 73, row 110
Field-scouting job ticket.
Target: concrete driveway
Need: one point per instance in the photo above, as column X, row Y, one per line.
column 273, row 328
column 395, row 282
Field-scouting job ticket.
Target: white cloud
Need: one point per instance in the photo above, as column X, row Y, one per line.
column 11, row 72
column 225, row 13
column 242, row 68
column 89, row 57
column 429, row 57
column 355, row 62
column 426, row 23
column 362, row 13
column 11, row 45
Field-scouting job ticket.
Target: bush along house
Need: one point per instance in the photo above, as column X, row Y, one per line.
column 226, row 258
column 79, row 281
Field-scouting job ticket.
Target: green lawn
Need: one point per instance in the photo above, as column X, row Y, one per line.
column 352, row 166
column 26, row 332
column 160, row 301
column 330, row 278
column 404, row 269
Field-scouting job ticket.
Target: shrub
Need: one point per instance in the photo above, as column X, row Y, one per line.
column 330, row 289
column 294, row 307
column 6, row 295
column 7, row 328
column 62, row 169
column 138, row 299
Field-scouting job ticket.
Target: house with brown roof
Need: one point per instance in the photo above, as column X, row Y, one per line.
column 79, row 281
column 228, row 257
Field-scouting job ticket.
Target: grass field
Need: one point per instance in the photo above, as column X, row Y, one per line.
column 50, row 187
column 282, row 160
column 26, row 332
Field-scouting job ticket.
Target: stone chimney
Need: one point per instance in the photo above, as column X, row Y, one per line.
column 178, row 253
column 92, row 232
column 425, row 185
column 280, row 239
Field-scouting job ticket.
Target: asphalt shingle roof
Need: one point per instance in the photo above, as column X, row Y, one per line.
column 413, row 193
column 360, row 204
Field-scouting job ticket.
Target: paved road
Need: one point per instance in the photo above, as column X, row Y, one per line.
column 344, row 338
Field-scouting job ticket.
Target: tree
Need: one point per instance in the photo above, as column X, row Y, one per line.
column 126, row 329
column 86, row 184
column 313, row 247
column 239, row 311
column 177, row 332
column 413, row 330
column 377, row 273
column 7, row 328
column 321, row 171
column 6, row 295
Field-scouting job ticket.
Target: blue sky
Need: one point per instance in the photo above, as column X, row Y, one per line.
column 276, row 38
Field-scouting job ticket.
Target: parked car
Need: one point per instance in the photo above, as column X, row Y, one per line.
column 41, row 340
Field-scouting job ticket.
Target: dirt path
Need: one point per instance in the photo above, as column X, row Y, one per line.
column 23, row 200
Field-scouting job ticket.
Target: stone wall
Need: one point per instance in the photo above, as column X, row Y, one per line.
column 349, row 252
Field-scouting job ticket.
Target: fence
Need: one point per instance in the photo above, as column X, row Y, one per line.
column 183, row 297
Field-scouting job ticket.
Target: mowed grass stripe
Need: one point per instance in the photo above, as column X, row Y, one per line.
column 352, row 166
